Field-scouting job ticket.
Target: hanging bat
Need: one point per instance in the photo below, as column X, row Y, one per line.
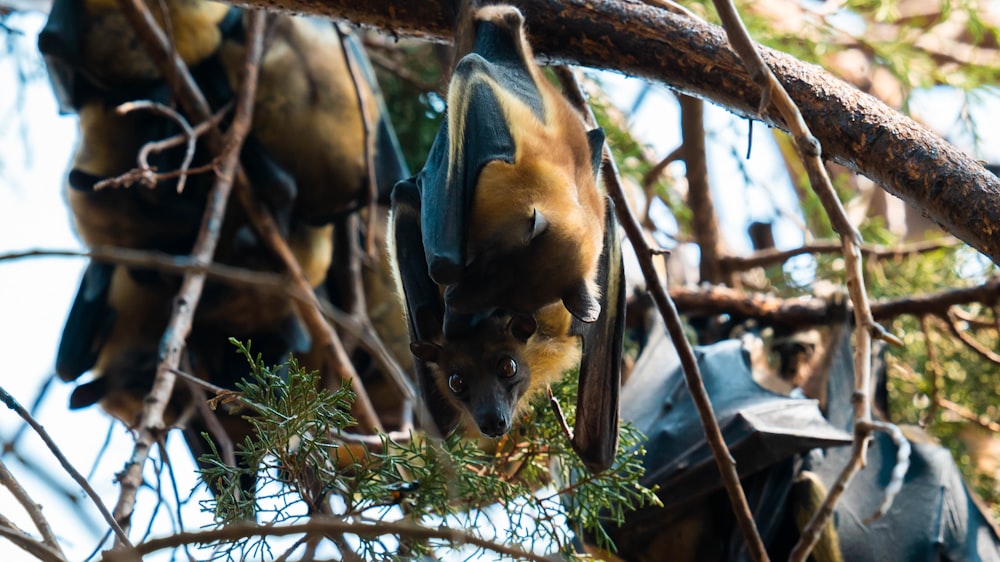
column 504, row 221
column 511, row 215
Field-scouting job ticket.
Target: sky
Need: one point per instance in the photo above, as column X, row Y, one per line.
column 35, row 147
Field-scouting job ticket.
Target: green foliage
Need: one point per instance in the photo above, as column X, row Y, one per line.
column 298, row 464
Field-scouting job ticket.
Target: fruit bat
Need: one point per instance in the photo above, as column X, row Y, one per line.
column 511, row 214
column 504, row 221
column 767, row 435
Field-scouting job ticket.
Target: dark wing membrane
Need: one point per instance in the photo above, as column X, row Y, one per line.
column 88, row 324
column 934, row 515
column 424, row 307
column 760, row 427
column 595, row 433
column 448, row 188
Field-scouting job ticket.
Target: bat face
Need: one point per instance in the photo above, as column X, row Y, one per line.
column 485, row 372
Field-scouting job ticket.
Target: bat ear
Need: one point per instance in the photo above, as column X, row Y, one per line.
column 595, row 138
column 539, row 224
column 522, row 326
column 581, row 303
column 426, row 351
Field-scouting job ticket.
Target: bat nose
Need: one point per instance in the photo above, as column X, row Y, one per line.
column 494, row 424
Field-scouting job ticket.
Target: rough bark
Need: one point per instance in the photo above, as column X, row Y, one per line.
column 693, row 57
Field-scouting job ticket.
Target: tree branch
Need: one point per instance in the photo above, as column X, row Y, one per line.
column 813, row 311
column 323, row 526
column 64, row 462
column 773, row 256
column 34, row 510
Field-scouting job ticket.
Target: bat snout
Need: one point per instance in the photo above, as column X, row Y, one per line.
column 494, row 424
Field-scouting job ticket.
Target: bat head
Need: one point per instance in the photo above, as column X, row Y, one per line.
column 484, row 371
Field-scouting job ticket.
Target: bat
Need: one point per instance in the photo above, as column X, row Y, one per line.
column 511, row 213
column 304, row 157
column 768, row 434
column 505, row 229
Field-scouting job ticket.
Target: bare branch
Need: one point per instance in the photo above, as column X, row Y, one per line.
column 933, row 372
column 773, row 256
column 865, row 325
column 692, row 376
column 971, row 342
column 33, row 547
column 64, row 462
column 188, row 133
column 33, row 509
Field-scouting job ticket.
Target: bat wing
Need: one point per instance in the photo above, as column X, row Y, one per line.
column 474, row 133
column 424, row 307
column 595, row 433
column 88, row 324
column 60, row 45
column 760, row 427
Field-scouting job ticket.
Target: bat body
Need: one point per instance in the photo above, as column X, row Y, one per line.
column 501, row 243
column 305, row 159
column 511, row 216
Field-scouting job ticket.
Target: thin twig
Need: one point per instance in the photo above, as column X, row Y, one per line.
column 653, row 175
column 64, row 462
column 692, row 375
column 188, row 132
column 28, row 544
column 33, row 509
column 151, row 426
column 323, row 525
column 865, row 325
column 11, row 444
column 557, row 410
column 972, row 343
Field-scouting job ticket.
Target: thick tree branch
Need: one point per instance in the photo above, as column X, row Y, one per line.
column 692, row 56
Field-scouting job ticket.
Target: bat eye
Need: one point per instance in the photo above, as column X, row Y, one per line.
column 456, row 383
column 507, row 367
